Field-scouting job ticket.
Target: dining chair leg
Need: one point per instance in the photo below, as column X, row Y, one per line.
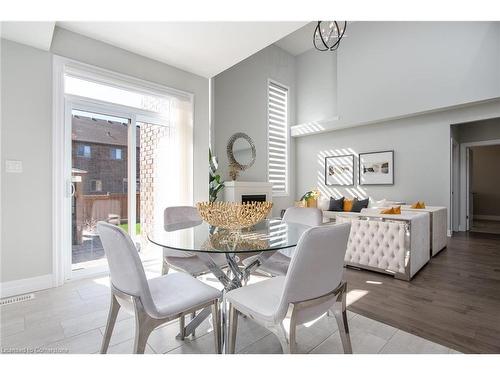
column 233, row 328
column 292, row 341
column 182, row 327
column 143, row 328
column 280, row 332
column 216, row 327
column 144, row 325
column 165, row 267
column 193, row 315
column 341, row 317
column 113, row 313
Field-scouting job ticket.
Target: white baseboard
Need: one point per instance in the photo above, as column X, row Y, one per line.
column 450, row 233
column 33, row 284
column 487, row 217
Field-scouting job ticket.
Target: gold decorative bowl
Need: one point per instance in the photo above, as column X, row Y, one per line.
column 236, row 241
column 230, row 215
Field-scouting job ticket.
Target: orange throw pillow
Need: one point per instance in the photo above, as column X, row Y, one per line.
column 348, row 204
column 418, row 205
column 392, row 211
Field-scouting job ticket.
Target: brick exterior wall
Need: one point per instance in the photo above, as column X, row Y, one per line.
column 101, row 166
column 150, row 135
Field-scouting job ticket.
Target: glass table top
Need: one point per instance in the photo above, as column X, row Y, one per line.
column 199, row 236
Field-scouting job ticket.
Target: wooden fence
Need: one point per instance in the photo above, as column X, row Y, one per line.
column 99, row 207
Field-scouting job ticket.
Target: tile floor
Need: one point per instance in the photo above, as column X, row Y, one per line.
column 71, row 319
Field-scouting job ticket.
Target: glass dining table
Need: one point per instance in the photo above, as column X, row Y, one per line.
column 199, row 239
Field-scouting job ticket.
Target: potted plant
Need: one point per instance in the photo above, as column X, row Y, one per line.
column 215, row 184
column 311, row 198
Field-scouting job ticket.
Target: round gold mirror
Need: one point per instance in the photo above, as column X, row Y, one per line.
column 240, row 152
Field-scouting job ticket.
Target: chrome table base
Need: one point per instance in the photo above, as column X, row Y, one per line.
column 236, row 278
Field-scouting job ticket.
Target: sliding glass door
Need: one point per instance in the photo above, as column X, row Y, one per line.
column 120, row 172
column 99, row 175
column 127, row 156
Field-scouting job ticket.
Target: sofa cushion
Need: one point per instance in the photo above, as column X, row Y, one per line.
column 392, row 211
column 336, row 204
column 418, row 205
column 323, row 203
column 374, row 204
column 358, row 205
column 348, row 204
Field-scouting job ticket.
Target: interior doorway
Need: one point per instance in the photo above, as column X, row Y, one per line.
column 480, row 186
column 475, row 183
column 484, row 188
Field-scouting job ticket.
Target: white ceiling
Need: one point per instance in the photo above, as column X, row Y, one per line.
column 34, row 34
column 203, row 48
column 299, row 41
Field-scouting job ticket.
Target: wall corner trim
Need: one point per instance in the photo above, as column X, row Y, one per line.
column 32, row 284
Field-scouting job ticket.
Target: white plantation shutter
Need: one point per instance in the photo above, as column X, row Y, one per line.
column 277, row 125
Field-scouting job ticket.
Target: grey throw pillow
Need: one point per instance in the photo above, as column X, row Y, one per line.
column 358, row 205
column 336, row 204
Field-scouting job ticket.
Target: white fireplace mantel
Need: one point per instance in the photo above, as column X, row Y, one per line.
column 234, row 190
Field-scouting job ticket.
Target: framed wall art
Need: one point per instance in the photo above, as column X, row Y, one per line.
column 376, row 168
column 339, row 170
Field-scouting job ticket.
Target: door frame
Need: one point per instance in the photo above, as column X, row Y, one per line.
column 464, row 179
column 61, row 147
column 455, row 185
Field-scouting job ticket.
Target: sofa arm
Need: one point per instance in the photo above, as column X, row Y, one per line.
column 396, row 246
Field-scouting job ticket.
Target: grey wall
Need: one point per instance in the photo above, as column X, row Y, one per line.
column 316, row 74
column 486, row 180
column 240, row 105
column 389, row 69
column 421, row 147
column 26, row 248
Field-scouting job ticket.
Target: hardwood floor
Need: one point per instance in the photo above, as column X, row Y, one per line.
column 454, row 300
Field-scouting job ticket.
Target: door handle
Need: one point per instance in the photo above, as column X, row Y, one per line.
column 71, row 192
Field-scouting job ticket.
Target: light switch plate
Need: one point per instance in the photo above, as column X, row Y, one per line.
column 13, row 166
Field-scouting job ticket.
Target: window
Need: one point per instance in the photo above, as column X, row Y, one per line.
column 131, row 98
column 95, row 185
column 83, row 151
column 116, row 153
column 277, row 126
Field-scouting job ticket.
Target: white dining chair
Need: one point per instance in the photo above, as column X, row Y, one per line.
column 154, row 301
column 278, row 263
column 313, row 286
column 181, row 217
column 178, row 217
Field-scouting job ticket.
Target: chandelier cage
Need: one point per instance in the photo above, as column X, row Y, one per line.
column 323, row 35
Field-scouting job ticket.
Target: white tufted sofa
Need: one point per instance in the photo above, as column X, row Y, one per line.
column 394, row 244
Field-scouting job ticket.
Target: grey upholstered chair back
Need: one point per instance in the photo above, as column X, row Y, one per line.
column 179, row 216
column 301, row 215
column 125, row 267
column 316, row 268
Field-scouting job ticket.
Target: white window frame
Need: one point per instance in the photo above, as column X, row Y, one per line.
column 61, row 141
column 286, row 193
column 114, row 152
column 84, row 155
column 97, row 183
